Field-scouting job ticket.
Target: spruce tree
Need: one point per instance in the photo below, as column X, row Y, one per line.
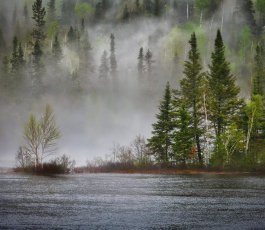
column 224, row 102
column 71, row 36
column 259, row 72
column 125, row 14
column 20, row 57
column 56, row 49
column 191, row 89
column 157, row 8
column 149, row 62
column 141, row 62
column 37, row 68
column 51, row 15
column 113, row 62
column 14, row 56
column 104, row 67
column 183, row 136
column 160, row 143
column 39, row 13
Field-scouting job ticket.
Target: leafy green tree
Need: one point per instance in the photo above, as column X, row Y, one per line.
column 183, row 136
column 40, row 137
column 39, row 13
column 202, row 5
column 160, row 143
column 254, row 112
column 223, row 102
column 260, row 5
column 191, row 89
column 113, row 61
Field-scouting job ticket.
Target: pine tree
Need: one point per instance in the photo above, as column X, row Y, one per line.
column 160, row 143
column 104, row 67
column 224, row 102
column 20, row 57
column 113, row 62
column 51, row 15
column 141, row 62
column 71, row 36
column 183, row 136
column 157, row 8
column 37, row 68
column 39, row 13
column 56, row 49
column 259, row 72
column 125, row 14
column 14, row 56
column 148, row 6
column 191, row 89
column 149, row 61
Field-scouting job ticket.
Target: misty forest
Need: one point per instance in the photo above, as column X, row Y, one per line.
column 133, row 83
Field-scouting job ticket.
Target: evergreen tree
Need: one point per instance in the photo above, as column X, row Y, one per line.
column 125, row 14
column 39, row 13
column 71, row 35
column 98, row 11
column 14, row 56
column 160, row 143
column 56, row 49
column 158, row 8
column 141, row 62
column 37, row 68
column 148, row 6
column 191, row 89
column 51, row 15
column 20, row 57
column 183, row 136
column 2, row 42
column 259, row 72
column 104, row 67
column 149, row 61
column 224, row 102
column 113, row 62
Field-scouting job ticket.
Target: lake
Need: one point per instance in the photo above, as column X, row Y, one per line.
column 121, row 201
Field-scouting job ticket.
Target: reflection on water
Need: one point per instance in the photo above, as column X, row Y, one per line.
column 114, row 201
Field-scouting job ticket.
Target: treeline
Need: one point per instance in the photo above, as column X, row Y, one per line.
column 205, row 122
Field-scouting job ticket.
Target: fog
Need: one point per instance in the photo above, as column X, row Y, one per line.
column 107, row 112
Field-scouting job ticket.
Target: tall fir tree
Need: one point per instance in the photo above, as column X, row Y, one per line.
column 191, row 89
column 125, row 14
column 56, row 49
column 113, row 61
column 51, row 14
column 258, row 82
column 149, row 62
column 160, row 143
column 37, row 69
column 14, row 56
column 183, row 136
column 140, row 65
column 104, row 67
column 224, row 102
column 39, row 13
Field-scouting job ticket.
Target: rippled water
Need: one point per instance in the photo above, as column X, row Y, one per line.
column 115, row 201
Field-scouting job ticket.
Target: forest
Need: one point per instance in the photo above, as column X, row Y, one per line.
column 187, row 74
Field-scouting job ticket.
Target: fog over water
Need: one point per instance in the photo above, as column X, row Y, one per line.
column 114, row 111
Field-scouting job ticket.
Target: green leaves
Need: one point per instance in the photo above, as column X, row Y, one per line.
column 83, row 9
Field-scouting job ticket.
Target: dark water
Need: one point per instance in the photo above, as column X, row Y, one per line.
column 109, row 201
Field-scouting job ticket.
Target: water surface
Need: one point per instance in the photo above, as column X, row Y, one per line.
column 116, row 201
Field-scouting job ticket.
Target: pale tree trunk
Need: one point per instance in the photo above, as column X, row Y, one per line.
column 250, row 127
column 201, row 20
column 187, row 11
column 206, row 129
